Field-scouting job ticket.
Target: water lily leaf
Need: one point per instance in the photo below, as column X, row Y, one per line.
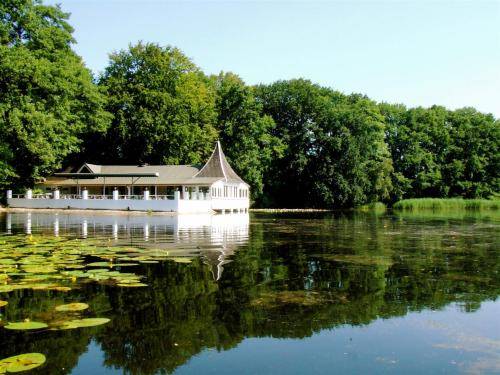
column 84, row 323
column 3, row 303
column 22, row 362
column 180, row 260
column 25, row 325
column 131, row 285
column 6, row 288
column 7, row 261
column 74, row 266
column 39, row 269
column 77, row 306
column 100, row 264
column 99, row 270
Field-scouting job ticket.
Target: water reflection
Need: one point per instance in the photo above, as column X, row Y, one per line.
column 213, row 237
column 289, row 277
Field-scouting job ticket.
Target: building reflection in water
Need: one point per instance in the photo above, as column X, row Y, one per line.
column 214, row 238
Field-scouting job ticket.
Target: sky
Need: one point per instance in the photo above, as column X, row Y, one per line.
column 418, row 53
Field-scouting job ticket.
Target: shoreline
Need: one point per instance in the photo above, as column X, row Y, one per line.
column 271, row 210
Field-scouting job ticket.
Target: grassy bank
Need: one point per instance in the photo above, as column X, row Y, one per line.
column 448, row 204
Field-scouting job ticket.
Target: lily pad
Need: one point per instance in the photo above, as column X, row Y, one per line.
column 6, row 288
column 77, row 306
column 22, row 326
column 84, row 323
column 3, row 303
column 131, row 285
column 22, row 362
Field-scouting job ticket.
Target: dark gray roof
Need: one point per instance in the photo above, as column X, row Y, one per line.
column 218, row 166
column 167, row 175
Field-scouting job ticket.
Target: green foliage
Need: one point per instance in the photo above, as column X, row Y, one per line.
column 163, row 107
column 335, row 154
column 47, row 97
column 442, row 153
column 247, row 134
column 452, row 204
column 472, row 164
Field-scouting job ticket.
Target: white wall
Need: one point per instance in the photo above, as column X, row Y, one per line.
column 229, row 203
column 194, row 206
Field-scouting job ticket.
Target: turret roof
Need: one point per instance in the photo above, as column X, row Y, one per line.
column 218, row 166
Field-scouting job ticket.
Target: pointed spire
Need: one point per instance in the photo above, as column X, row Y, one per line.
column 218, row 166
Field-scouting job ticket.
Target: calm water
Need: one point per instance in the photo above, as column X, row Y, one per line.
column 265, row 294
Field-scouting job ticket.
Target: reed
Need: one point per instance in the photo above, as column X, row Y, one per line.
column 448, row 204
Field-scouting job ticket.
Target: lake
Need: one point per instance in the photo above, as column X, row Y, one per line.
column 288, row 293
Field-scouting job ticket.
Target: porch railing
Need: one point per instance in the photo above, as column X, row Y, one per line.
column 102, row 197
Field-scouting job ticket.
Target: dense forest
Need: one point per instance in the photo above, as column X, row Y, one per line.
column 296, row 143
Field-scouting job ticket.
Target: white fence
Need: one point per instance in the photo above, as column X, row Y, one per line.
column 190, row 203
column 146, row 202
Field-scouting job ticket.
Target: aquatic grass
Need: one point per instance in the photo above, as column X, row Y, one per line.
column 448, row 204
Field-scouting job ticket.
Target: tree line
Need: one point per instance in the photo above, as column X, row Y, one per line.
column 296, row 143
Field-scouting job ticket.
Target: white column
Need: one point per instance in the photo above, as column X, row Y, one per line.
column 27, row 223
column 9, row 194
column 146, row 195
column 115, row 194
column 85, row 193
column 84, row 229
column 29, row 194
column 177, row 195
column 56, row 226
column 9, row 222
column 146, row 231
column 129, row 191
column 56, row 194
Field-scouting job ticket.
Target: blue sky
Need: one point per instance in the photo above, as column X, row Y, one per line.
column 412, row 52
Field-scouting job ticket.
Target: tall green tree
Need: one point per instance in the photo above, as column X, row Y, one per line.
column 48, row 100
column 472, row 162
column 245, row 132
column 441, row 153
column 416, row 138
column 335, row 152
column 163, row 107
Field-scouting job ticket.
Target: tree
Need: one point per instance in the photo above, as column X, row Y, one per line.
column 163, row 107
column 335, row 153
column 442, row 153
column 245, row 132
column 472, row 163
column 48, row 100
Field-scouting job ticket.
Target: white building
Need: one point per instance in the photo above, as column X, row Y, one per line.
column 168, row 188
